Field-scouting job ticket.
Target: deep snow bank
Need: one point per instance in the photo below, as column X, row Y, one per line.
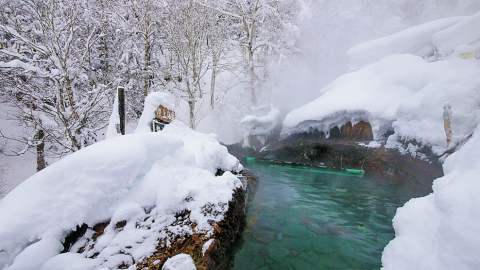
column 440, row 231
column 144, row 179
column 416, row 40
column 432, row 40
column 401, row 92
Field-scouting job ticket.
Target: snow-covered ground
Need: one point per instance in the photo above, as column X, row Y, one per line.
column 136, row 178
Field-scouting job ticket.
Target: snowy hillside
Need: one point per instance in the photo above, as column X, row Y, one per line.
column 142, row 179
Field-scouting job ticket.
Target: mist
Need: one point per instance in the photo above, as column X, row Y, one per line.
column 329, row 28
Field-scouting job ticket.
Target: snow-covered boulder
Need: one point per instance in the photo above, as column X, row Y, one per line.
column 371, row 94
column 260, row 124
column 440, row 231
column 401, row 93
column 420, row 116
column 130, row 195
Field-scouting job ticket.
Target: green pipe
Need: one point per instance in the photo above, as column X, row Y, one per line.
column 299, row 167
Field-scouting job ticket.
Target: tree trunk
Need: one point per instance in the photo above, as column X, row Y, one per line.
column 212, row 89
column 107, row 62
column 121, row 109
column 71, row 100
column 191, row 105
column 252, row 78
column 147, row 64
column 39, row 137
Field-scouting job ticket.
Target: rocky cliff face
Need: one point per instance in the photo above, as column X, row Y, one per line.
column 207, row 251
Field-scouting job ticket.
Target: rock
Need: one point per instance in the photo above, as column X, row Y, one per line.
column 341, row 148
column 297, row 244
column 277, row 250
column 335, row 261
column 324, row 244
column 263, row 236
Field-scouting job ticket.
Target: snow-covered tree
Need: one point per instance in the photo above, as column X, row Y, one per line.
column 258, row 25
column 139, row 49
column 44, row 66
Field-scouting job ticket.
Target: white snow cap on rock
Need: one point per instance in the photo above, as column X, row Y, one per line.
column 401, row 93
column 179, row 262
column 135, row 178
column 260, row 124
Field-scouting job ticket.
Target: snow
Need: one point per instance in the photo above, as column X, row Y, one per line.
column 138, row 178
column 372, row 144
column 206, row 246
column 440, row 231
column 260, row 124
column 420, row 116
column 466, row 32
column 114, row 121
column 371, row 94
column 19, row 64
column 400, row 93
column 179, row 262
column 416, row 40
column 152, row 101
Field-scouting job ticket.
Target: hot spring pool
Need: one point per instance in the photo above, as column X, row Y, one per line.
column 309, row 220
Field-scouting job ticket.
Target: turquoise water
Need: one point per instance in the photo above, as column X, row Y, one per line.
column 307, row 220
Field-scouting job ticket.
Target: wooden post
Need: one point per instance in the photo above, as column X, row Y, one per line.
column 121, row 109
column 447, row 117
column 40, row 137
